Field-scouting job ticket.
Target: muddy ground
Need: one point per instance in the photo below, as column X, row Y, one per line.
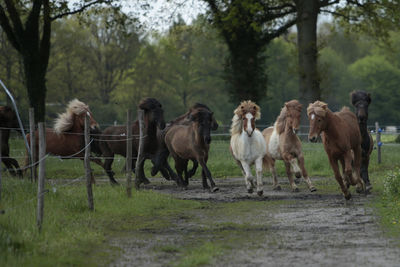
column 280, row 228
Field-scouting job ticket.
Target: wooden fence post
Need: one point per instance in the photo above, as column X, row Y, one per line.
column 378, row 140
column 140, row 150
column 88, row 170
column 32, row 141
column 0, row 164
column 40, row 193
column 128, row 154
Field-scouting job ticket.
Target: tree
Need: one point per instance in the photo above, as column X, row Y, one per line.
column 28, row 28
column 247, row 26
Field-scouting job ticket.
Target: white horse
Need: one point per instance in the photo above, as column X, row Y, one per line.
column 247, row 143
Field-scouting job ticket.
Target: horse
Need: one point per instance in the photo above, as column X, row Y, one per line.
column 361, row 100
column 247, row 143
column 113, row 139
column 184, row 119
column 8, row 121
column 342, row 142
column 191, row 141
column 283, row 144
column 66, row 139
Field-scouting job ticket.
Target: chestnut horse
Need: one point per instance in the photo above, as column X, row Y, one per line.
column 283, row 144
column 8, row 121
column 342, row 142
column 247, row 143
column 361, row 101
column 191, row 141
column 67, row 139
column 113, row 139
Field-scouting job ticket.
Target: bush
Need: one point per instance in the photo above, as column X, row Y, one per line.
column 391, row 183
column 397, row 140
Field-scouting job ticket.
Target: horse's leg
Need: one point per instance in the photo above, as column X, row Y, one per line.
column 290, row 176
column 364, row 172
column 202, row 162
column 194, row 168
column 108, row 161
column 300, row 160
column 7, row 161
column 356, row 171
column 179, row 167
column 345, row 178
column 204, row 179
column 258, row 164
column 142, row 176
column 14, row 162
column 338, row 177
column 247, row 176
column 269, row 163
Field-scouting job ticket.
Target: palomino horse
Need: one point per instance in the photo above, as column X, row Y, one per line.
column 247, row 143
column 283, row 144
column 361, row 101
column 113, row 139
column 66, row 139
column 342, row 142
column 184, row 119
column 191, row 141
column 8, row 121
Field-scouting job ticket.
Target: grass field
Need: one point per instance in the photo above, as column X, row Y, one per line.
column 72, row 235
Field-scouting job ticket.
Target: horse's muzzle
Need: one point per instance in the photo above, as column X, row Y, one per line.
column 295, row 130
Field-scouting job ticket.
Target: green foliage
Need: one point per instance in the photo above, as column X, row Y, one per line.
column 391, row 183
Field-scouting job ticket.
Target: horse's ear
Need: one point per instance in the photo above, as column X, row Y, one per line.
column 324, row 106
column 369, row 98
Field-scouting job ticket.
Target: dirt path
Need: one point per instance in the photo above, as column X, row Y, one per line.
column 278, row 229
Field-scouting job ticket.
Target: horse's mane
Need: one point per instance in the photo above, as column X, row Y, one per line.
column 185, row 115
column 149, row 104
column 244, row 108
column 359, row 95
column 319, row 108
column 280, row 122
column 64, row 122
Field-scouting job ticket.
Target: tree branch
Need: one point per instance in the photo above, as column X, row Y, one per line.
column 82, row 8
column 5, row 24
column 269, row 37
column 44, row 48
column 14, row 16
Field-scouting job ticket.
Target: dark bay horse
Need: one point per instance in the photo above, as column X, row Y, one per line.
column 361, row 100
column 283, row 144
column 67, row 139
column 8, row 121
column 191, row 141
column 113, row 139
column 342, row 142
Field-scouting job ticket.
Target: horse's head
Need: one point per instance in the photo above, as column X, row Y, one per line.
column 214, row 123
column 248, row 112
column 204, row 119
column 8, row 118
column 316, row 113
column 74, row 118
column 154, row 110
column 293, row 114
column 361, row 101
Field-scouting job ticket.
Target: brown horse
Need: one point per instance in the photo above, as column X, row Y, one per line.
column 184, row 119
column 283, row 144
column 342, row 142
column 361, row 101
column 67, row 139
column 113, row 139
column 8, row 121
column 191, row 141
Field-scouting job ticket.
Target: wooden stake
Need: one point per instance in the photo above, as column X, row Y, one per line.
column 42, row 166
column 140, row 150
column 128, row 154
column 32, row 142
column 88, row 170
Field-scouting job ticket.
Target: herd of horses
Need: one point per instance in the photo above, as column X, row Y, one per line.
column 187, row 138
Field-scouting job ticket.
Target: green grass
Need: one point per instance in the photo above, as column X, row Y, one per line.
column 72, row 235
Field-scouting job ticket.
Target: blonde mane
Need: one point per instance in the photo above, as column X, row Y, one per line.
column 244, row 108
column 64, row 122
column 319, row 108
column 280, row 122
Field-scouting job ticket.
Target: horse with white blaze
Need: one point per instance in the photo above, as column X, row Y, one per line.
column 247, row 143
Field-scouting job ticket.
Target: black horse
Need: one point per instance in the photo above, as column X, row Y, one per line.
column 8, row 121
column 361, row 101
column 113, row 139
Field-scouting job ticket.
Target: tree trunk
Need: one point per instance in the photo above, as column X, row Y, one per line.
column 307, row 14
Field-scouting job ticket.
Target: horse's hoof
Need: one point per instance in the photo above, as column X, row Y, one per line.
column 277, row 188
column 313, row 189
column 348, row 196
column 295, row 190
column 360, row 190
column 298, row 176
column 260, row 193
column 206, row 187
column 250, row 190
column 145, row 181
column 214, row 189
